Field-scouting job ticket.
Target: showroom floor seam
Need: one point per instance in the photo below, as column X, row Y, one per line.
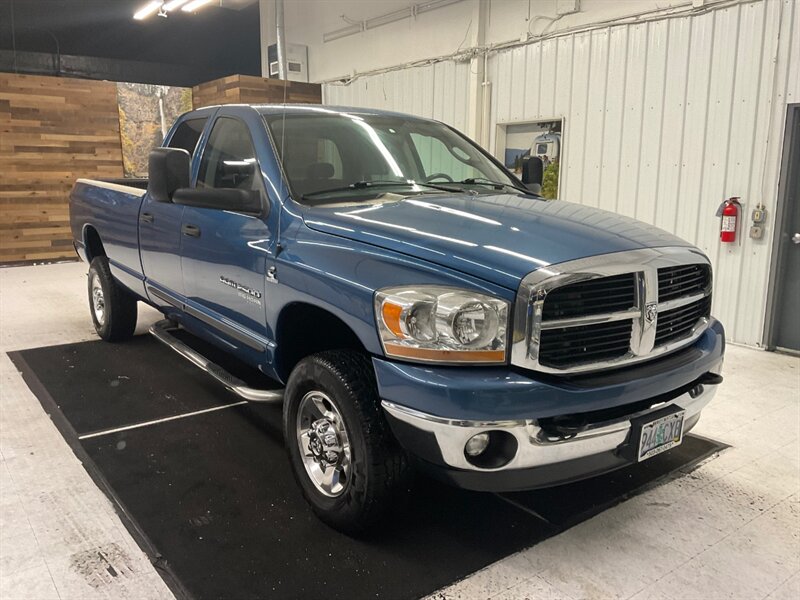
column 95, row 434
column 723, row 539
column 523, row 508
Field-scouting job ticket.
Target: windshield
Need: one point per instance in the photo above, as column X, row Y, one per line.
column 330, row 157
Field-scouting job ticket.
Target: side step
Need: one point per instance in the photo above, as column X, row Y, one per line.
column 161, row 331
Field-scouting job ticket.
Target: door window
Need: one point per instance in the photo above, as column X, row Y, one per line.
column 187, row 135
column 229, row 159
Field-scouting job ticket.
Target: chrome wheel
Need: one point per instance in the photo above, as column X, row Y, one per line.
column 323, row 442
column 98, row 300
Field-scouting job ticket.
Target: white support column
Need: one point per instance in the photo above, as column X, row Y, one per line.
column 266, row 13
column 280, row 31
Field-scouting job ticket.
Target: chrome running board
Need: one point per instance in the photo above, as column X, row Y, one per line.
column 161, row 331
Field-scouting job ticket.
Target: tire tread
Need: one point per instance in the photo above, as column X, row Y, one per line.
column 121, row 306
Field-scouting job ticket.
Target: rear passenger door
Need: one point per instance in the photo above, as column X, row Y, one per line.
column 223, row 253
column 160, row 229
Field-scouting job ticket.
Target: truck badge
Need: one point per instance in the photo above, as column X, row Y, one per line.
column 244, row 292
column 651, row 312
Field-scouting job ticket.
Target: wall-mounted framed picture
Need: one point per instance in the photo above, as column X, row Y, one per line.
column 145, row 114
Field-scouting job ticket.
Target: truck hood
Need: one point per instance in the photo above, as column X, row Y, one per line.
column 499, row 238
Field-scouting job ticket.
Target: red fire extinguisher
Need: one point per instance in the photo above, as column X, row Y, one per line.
column 730, row 219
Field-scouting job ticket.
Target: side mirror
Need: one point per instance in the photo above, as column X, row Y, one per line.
column 168, row 171
column 532, row 172
column 232, row 199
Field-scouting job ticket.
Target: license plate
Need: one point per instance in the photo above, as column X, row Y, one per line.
column 660, row 435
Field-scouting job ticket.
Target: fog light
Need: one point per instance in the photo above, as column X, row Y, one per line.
column 477, row 444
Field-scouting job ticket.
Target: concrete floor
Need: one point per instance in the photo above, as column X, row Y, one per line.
column 730, row 529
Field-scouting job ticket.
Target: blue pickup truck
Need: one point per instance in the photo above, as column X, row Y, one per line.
column 418, row 305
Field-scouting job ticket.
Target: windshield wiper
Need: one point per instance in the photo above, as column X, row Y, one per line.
column 496, row 184
column 363, row 185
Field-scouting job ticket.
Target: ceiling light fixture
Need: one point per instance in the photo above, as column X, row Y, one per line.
column 147, row 10
column 194, row 5
column 173, row 4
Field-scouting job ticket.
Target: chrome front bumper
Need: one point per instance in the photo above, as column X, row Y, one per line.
column 535, row 447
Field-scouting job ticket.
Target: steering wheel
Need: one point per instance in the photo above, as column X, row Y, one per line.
column 433, row 176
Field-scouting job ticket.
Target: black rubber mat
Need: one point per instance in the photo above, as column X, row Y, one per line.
column 99, row 386
column 212, row 500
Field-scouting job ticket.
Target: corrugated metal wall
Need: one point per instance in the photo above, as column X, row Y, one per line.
column 663, row 120
column 438, row 91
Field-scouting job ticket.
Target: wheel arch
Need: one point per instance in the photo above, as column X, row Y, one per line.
column 303, row 329
column 92, row 243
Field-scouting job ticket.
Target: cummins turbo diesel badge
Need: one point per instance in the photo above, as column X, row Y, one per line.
column 239, row 287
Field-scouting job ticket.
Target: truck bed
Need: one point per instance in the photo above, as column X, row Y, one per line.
column 110, row 209
column 136, row 182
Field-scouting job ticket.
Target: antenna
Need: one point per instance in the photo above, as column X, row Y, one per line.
column 278, row 247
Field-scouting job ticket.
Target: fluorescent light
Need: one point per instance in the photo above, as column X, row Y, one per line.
column 173, row 4
column 194, row 5
column 147, row 10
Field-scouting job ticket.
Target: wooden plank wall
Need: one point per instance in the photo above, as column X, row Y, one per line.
column 246, row 89
column 53, row 130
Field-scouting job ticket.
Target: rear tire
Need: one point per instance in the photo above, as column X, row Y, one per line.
column 335, row 392
column 113, row 308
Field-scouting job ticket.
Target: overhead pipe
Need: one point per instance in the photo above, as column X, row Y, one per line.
column 385, row 19
column 280, row 39
column 679, row 11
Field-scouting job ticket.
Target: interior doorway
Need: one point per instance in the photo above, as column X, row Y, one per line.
column 783, row 322
column 516, row 142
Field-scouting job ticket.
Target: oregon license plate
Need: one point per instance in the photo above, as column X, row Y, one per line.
column 660, row 435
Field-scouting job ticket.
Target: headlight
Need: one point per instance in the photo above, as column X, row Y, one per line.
column 441, row 324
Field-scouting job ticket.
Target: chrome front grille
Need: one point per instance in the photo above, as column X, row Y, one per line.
column 565, row 346
column 591, row 297
column 678, row 323
column 684, row 280
column 611, row 310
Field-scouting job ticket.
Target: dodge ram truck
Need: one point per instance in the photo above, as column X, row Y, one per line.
column 419, row 307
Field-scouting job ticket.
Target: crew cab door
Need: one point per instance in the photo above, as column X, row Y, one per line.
column 160, row 229
column 224, row 254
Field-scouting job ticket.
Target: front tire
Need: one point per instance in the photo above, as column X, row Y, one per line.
column 113, row 308
column 343, row 455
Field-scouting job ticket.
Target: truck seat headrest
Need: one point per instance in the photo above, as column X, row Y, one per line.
column 320, row 170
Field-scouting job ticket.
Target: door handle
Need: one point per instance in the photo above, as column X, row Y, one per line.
column 190, row 230
column 146, row 218
column 796, row 238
